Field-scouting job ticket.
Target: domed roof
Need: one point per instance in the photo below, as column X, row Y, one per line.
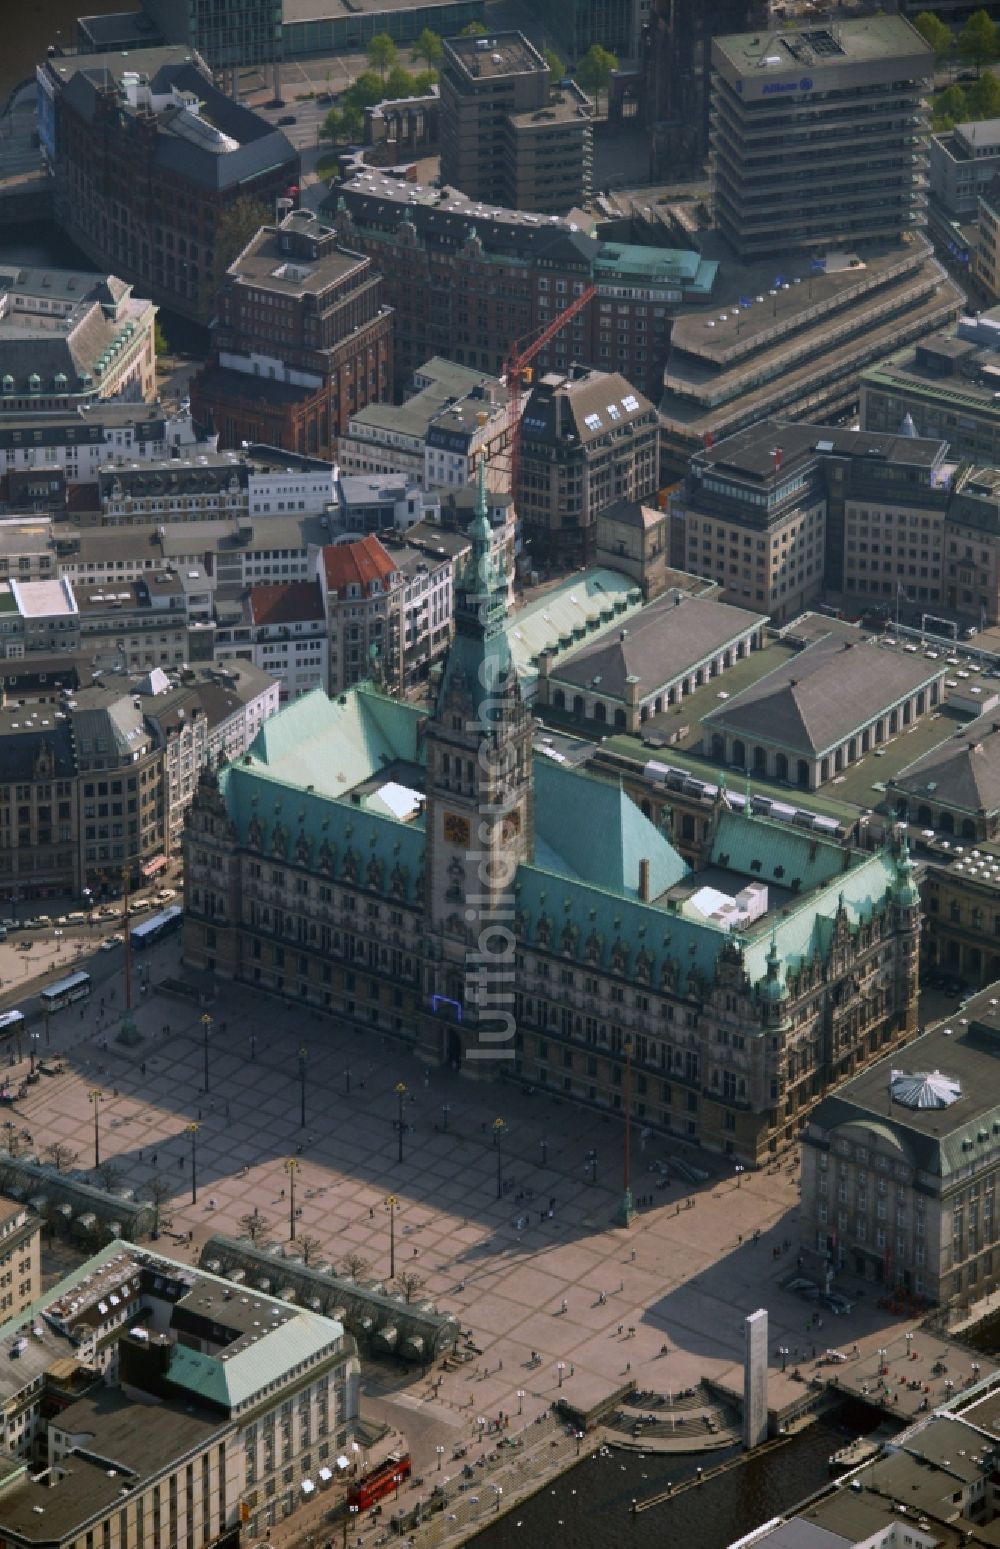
column 925, row 1089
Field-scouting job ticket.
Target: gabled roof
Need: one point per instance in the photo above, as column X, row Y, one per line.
column 359, row 563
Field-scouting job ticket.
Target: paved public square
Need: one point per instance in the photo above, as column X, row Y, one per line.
column 680, row 1277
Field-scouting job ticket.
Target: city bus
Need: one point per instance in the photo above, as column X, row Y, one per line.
column 65, row 991
column 156, row 927
column 12, row 1024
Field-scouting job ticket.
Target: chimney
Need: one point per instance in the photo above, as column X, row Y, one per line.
column 776, row 454
column 708, row 441
column 644, row 881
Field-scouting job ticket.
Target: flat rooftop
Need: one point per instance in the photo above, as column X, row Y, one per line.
column 498, row 54
column 853, row 40
column 266, row 265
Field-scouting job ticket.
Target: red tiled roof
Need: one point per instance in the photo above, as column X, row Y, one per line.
column 361, row 563
column 285, row 602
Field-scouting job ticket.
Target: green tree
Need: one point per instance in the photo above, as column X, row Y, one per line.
column 983, row 98
column 473, row 30
column 594, row 70
column 399, row 83
column 428, row 47
column 978, row 40
column 554, row 63
column 160, row 342
column 240, row 221
column 950, row 108
column 423, row 81
column 933, row 31
column 365, row 91
column 382, row 53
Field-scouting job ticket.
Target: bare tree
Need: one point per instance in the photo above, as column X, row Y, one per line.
column 254, row 1226
column 158, row 1190
column 109, row 1174
column 309, row 1247
column 356, row 1265
column 410, row 1283
column 60, row 1155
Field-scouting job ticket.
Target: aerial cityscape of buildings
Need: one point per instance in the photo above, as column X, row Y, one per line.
column 500, row 728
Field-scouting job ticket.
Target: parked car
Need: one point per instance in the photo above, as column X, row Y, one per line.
column 285, row 119
column 111, row 943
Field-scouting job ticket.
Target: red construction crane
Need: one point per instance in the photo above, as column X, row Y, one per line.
column 517, row 374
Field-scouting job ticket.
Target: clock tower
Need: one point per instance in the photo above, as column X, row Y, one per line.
column 479, row 815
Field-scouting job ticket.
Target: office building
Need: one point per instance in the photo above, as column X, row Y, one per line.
column 302, row 341
column 281, row 628
column 795, row 344
column 962, row 162
column 674, row 40
column 732, row 1037
column 20, row 1257
column 588, row 440
column 466, row 280
column 143, row 1369
column 76, row 443
column 943, row 386
column 816, row 136
column 451, row 417
column 95, row 776
column 241, row 33
column 899, row 1165
column 149, row 159
column 782, row 513
column 633, row 537
column 70, row 339
column 508, row 133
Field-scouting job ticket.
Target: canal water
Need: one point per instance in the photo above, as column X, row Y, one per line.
column 28, row 30
column 590, row 1507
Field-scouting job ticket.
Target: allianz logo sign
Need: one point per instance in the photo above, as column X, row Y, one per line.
column 771, row 87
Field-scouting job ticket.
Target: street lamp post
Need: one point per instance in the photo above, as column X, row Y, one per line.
column 392, row 1205
column 445, row 1111
column 95, row 1097
column 291, row 1167
column 739, row 1170
column 440, row 1454
column 400, row 1090
column 545, row 1151
column 192, row 1130
column 32, row 1046
column 499, row 1130
column 560, row 1368
column 520, row 1400
column 302, row 1086
column 591, row 1160
column 206, row 1022
column 783, row 1352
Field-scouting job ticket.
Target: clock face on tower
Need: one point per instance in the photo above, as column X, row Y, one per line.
column 457, row 830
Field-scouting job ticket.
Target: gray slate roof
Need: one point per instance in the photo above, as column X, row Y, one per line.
column 660, row 643
column 810, row 704
column 962, row 772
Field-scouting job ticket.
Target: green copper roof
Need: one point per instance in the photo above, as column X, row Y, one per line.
column 333, row 744
column 231, row 1380
column 589, row 829
column 577, row 610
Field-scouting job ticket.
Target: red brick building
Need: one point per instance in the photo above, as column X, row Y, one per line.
column 302, row 341
column 149, row 158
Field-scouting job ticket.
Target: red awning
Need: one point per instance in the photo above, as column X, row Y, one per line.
column 156, row 864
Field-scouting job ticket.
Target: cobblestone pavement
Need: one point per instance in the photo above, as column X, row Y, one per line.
column 596, row 1304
